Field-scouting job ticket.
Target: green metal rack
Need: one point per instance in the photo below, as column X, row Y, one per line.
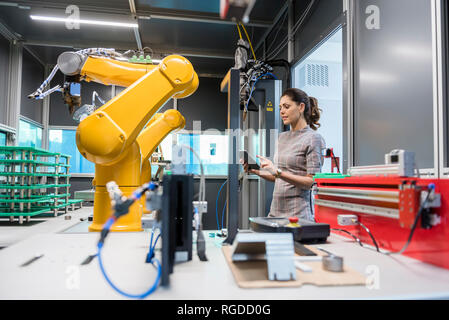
column 33, row 181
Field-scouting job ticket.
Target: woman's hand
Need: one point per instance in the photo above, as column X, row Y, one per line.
column 246, row 167
column 267, row 165
column 266, row 171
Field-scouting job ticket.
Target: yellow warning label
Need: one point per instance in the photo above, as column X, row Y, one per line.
column 270, row 109
column 269, row 104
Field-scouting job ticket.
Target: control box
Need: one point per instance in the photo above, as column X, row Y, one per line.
column 405, row 160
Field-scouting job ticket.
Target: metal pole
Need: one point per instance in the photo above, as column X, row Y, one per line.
column 290, row 47
column 14, row 89
column 231, row 84
column 46, row 114
column 348, row 84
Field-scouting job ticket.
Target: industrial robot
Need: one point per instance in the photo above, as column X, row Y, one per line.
column 121, row 135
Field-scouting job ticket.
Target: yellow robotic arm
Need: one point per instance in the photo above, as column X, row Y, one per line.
column 124, row 116
column 119, row 137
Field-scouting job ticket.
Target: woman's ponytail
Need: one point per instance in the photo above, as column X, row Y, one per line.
column 313, row 114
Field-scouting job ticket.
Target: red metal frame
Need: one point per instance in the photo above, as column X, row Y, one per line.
column 335, row 164
column 427, row 245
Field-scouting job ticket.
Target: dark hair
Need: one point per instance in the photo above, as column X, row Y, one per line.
column 311, row 112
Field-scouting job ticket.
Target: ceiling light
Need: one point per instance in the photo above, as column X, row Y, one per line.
column 82, row 21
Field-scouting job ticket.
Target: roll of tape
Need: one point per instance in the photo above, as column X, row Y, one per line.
column 333, row 263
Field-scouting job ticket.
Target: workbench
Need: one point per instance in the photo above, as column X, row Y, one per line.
column 66, row 243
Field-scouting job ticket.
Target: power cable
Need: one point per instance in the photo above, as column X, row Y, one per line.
column 216, row 205
column 412, row 231
column 277, row 33
column 295, row 28
column 249, row 41
column 415, row 223
column 238, row 29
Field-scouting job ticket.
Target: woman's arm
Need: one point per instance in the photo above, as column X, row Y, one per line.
column 303, row 182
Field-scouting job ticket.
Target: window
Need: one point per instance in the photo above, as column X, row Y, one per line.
column 320, row 75
column 212, row 150
column 30, row 135
column 63, row 141
column 2, row 139
column 2, row 143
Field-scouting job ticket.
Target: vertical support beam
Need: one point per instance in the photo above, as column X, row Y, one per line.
column 231, row 85
column 132, row 7
column 245, row 192
column 270, row 126
column 348, row 85
column 291, row 43
column 46, row 113
column 14, row 89
column 444, row 143
column 438, row 87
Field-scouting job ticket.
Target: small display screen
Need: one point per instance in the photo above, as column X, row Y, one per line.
column 394, row 159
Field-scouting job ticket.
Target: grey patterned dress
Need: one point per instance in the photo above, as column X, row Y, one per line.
column 298, row 152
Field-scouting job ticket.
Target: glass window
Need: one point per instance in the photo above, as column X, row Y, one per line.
column 2, row 143
column 63, row 141
column 320, row 75
column 211, row 148
column 30, row 135
column 2, row 139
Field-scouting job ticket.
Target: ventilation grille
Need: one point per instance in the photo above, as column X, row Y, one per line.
column 317, row 75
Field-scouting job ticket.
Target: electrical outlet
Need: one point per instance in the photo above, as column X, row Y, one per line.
column 347, row 219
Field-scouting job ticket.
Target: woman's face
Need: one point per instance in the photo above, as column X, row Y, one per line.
column 290, row 110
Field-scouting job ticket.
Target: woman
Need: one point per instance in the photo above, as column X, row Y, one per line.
column 297, row 158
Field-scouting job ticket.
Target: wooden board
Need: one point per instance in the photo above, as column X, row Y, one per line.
column 254, row 274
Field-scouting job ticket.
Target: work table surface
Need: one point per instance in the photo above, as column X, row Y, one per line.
column 59, row 275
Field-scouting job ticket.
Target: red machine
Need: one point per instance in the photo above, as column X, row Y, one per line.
column 388, row 206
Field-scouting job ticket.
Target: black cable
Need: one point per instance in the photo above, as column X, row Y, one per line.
column 296, row 26
column 277, row 33
column 415, row 223
column 352, row 235
column 310, row 202
column 370, row 234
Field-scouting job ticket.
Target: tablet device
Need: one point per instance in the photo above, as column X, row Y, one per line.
column 252, row 165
